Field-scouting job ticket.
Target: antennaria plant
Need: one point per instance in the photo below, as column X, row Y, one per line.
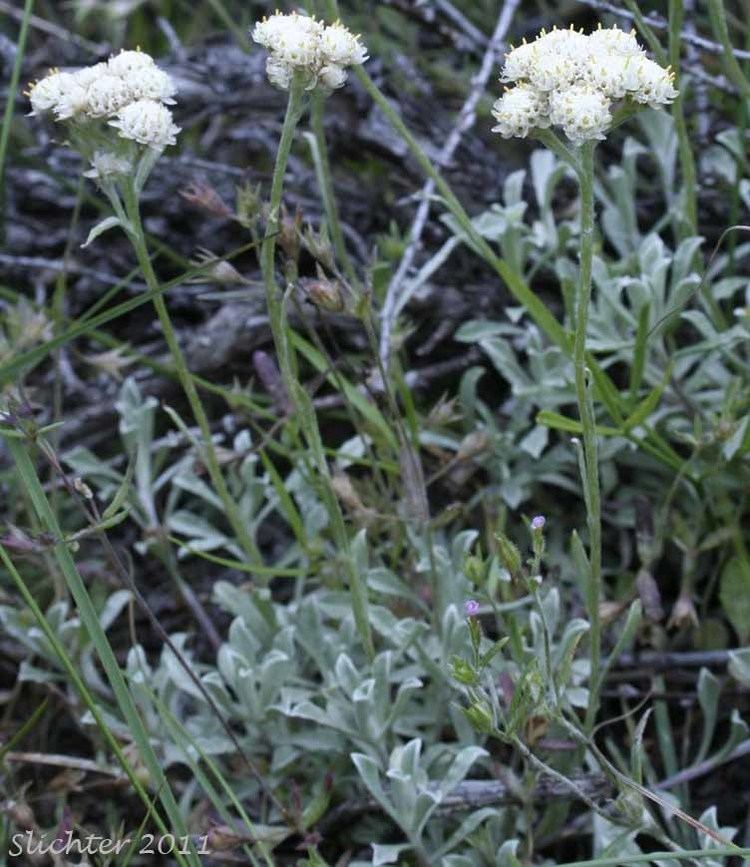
column 368, row 525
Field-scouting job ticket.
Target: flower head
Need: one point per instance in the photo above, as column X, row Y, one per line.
column 615, row 75
column 279, row 73
column 73, row 101
column 46, row 94
column 655, row 84
column 105, row 165
column 612, row 40
column 569, row 79
column 103, row 90
column 293, row 39
column 106, row 95
column 150, row 82
column 471, row 607
column 538, row 522
column 147, row 122
column 518, row 110
column 582, row 111
column 332, row 77
column 518, row 62
column 125, row 62
column 340, row 47
column 301, row 44
column 89, row 74
column 553, row 71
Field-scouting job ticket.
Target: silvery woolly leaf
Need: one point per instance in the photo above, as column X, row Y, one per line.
column 101, row 227
column 370, row 776
column 388, row 853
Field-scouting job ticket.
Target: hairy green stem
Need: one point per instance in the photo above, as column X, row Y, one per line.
column 138, row 240
column 303, row 405
column 588, row 422
column 325, row 180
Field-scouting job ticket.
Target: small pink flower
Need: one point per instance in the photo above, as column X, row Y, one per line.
column 471, row 607
column 538, row 522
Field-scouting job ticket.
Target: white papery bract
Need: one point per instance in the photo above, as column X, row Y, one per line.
column 301, row 45
column 147, row 122
column 518, row 110
column 582, row 111
column 106, row 95
column 576, row 78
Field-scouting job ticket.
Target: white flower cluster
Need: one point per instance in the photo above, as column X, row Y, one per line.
column 130, row 92
column 568, row 79
column 298, row 43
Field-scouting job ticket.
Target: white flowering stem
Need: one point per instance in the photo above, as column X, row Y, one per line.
column 588, row 422
column 303, row 405
column 209, row 456
column 268, row 250
column 319, row 149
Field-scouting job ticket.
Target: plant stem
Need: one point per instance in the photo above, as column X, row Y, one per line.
column 588, row 422
column 88, row 699
column 268, row 250
column 91, row 623
column 138, row 240
column 300, row 398
column 323, row 170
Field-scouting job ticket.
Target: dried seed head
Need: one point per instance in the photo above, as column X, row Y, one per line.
column 204, row 196
column 324, row 293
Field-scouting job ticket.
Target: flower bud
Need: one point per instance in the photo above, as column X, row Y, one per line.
column 509, row 556
column 471, row 607
column 480, row 716
column 290, row 231
column 324, row 293
column 463, row 672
